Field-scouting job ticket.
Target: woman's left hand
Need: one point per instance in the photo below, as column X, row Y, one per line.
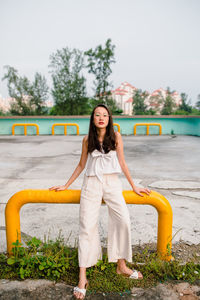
column 139, row 190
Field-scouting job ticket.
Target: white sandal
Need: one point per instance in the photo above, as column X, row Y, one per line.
column 135, row 275
column 82, row 291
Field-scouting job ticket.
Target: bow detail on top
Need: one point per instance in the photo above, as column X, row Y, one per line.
column 97, row 153
column 102, row 159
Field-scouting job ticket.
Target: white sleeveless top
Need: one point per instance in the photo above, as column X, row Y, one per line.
column 99, row 163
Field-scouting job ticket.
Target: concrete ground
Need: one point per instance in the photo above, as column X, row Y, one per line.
column 169, row 165
column 46, row 289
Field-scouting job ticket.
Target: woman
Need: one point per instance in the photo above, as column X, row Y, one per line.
column 102, row 149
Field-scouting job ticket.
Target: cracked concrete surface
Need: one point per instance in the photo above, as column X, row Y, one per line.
column 165, row 164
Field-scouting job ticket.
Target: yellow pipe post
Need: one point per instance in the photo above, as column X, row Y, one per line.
column 12, row 213
column 147, row 124
column 65, row 130
column 118, row 126
column 65, row 127
column 147, row 133
column 25, row 127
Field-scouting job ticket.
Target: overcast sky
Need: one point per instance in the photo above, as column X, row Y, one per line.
column 157, row 41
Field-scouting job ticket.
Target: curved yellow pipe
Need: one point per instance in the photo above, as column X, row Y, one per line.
column 12, row 212
column 25, row 127
column 65, row 127
column 118, row 126
column 148, row 124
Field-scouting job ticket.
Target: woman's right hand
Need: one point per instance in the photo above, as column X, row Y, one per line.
column 58, row 188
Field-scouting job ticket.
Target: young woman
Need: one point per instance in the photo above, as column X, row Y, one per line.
column 102, row 149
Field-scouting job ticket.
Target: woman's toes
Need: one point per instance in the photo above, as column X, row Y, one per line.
column 77, row 295
column 140, row 275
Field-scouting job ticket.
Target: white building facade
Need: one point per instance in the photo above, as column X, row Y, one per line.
column 124, row 97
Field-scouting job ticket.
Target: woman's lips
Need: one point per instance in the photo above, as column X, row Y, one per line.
column 101, row 123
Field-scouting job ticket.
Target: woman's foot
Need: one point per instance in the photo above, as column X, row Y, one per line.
column 125, row 271
column 80, row 290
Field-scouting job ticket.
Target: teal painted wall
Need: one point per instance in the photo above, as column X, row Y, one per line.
column 180, row 126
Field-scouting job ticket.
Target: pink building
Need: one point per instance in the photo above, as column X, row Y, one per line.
column 156, row 99
column 124, row 97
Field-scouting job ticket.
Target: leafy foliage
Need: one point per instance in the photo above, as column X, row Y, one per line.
column 69, row 85
column 28, row 98
column 55, row 261
column 169, row 104
column 139, row 107
column 185, row 105
column 99, row 64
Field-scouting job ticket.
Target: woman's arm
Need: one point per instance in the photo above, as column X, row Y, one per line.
column 124, row 167
column 79, row 168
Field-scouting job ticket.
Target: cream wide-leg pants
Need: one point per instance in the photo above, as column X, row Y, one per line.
column 119, row 233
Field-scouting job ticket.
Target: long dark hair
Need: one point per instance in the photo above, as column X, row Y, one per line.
column 109, row 142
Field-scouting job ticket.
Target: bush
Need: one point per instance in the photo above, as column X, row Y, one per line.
column 55, row 261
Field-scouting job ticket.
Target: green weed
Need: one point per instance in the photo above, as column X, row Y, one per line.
column 55, row 261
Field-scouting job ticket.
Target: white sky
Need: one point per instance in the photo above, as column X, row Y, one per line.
column 157, row 41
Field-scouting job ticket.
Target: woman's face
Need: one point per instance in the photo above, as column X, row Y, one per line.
column 101, row 117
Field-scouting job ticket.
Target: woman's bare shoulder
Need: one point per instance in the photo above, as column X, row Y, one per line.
column 85, row 139
column 118, row 137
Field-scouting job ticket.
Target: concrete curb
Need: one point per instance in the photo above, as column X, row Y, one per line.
column 46, row 289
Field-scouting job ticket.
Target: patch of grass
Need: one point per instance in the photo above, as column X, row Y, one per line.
column 55, row 261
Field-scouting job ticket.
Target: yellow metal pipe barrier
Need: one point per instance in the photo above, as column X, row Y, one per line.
column 148, row 124
column 25, row 127
column 118, row 126
column 65, row 127
column 12, row 213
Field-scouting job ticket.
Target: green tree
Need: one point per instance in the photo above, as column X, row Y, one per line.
column 28, row 98
column 110, row 103
column 185, row 105
column 113, row 106
column 156, row 102
column 99, row 64
column 150, row 111
column 169, row 104
column 39, row 93
column 139, row 107
column 69, row 85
